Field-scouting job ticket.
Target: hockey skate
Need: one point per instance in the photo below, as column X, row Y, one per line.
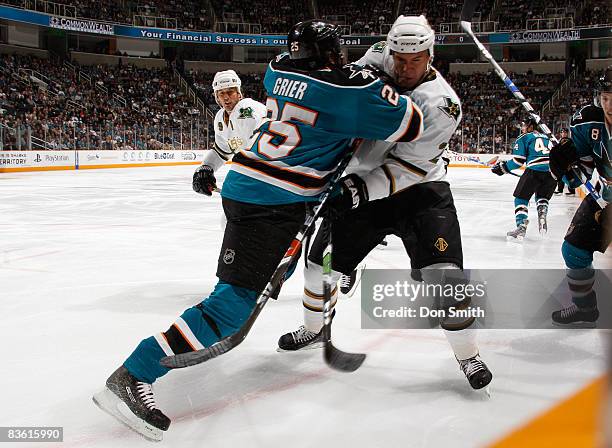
column 574, row 317
column 132, row 403
column 349, row 283
column 542, row 224
column 476, row 372
column 518, row 235
column 300, row 339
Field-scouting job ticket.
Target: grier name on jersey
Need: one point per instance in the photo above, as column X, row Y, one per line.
column 289, row 87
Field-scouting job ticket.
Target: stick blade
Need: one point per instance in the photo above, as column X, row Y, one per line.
column 342, row 361
column 467, row 12
column 189, row 359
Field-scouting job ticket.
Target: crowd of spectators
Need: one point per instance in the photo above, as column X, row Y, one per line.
column 275, row 17
column 124, row 107
column 362, row 16
column 580, row 93
column 491, row 115
column 444, row 11
column 119, row 107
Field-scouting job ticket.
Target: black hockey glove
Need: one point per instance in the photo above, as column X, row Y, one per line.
column 204, row 181
column 500, row 168
column 352, row 193
column 561, row 158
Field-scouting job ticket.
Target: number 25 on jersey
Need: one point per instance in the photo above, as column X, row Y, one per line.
column 283, row 129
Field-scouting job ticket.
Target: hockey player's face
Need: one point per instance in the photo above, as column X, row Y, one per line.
column 228, row 98
column 409, row 68
column 606, row 105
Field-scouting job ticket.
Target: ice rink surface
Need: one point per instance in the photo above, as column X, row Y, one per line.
column 91, row 262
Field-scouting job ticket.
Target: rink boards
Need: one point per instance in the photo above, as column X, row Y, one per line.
column 16, row 161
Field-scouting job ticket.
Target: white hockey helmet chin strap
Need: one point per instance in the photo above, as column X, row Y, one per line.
column 226, row 79
column 412, row 34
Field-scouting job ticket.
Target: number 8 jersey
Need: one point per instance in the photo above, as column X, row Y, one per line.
column 314, row 115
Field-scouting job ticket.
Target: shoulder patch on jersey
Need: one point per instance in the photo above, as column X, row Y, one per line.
column 350, row 75
column 588, row 114
column 245, row 112
column 357, row 70
column 450, row 108
column 220, row 125
column 379, row 47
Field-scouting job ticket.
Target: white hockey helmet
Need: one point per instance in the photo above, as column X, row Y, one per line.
column 225, row 80
column 411, row 34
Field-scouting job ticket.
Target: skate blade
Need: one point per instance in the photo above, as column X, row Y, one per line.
column 577, row 325
column 113, row 406
column 315, row 346
column 517, row 240
column 486, row 391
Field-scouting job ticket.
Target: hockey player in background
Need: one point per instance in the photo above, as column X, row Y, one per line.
column 564, row 133
column 591, row 228
column 531, row 149
column 235, row 124
column 316, row 108
column 401, row 189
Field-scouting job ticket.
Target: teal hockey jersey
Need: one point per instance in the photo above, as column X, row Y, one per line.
column 531, row 149
column 313, row 118
column 592, row 140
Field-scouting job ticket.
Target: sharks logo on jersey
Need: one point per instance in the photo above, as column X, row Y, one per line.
column 357, row 70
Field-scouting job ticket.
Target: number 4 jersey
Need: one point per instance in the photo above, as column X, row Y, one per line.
column 314, row 115
column 531, row 149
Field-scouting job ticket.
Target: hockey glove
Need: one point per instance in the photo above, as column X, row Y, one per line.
column 204, row 181
column 561, row 158
column 500, row 168
column 351, row 192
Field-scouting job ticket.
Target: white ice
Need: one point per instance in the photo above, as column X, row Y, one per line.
column 91, row 262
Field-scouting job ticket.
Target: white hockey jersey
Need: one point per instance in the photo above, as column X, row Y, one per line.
column 237, row 134
column 388, row 168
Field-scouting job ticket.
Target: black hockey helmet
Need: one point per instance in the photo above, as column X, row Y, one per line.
column 312, row 42
column 528, row 120
column 603, row 84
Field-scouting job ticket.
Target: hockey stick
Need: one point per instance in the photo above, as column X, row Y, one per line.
column 228, row 343
column 469, row 6
column 488, row 164
column 337, row 359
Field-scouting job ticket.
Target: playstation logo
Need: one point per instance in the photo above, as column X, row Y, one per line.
column 37, row 158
